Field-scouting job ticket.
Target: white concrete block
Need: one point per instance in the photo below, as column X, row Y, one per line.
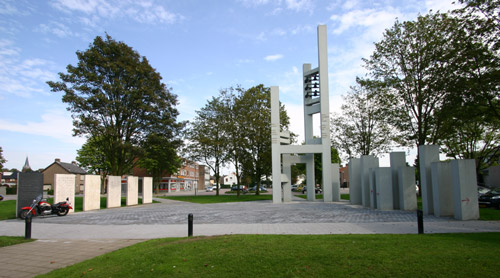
column 367, row 162
column 355, row 181
column 442, row 189
column 114, row 192
column 92, row 192
column 335, row 182
column 407, row 188
column 147, row 190
column 397, row 159
column 465, row 201
column 426, row 155
column 64, row 187
column 383, row 181
column 132, row 191
column 373, row 188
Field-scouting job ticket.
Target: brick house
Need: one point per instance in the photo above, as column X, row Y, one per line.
column 58, row 167
column 190, row 175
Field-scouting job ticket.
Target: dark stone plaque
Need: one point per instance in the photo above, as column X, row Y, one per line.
column 29, row 186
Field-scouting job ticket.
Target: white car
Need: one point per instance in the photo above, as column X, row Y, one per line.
column 210, row 188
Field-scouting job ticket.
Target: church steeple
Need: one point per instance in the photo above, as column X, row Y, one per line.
column 26, row 167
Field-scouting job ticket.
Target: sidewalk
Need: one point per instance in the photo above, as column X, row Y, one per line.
column 42, row 256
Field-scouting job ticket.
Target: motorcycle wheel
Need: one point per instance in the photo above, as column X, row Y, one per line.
column 24, row 214
column 63, row 212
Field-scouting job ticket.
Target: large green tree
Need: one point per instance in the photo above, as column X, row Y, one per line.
column 410, row 62
column 115, row 94
column 255, row 112
column 207, row 141
column 361, row 128
column 233, row 129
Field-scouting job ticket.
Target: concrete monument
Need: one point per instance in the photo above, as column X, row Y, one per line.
column 355, row 181
column 442, row 190
column 147, row 190
column 91, row 192
column 426, row 155
column 132, row 190
column 64, row 187
column 316, row 101
column 407, row 188
column 465, row 201
column 397, row 159
column 114, row 192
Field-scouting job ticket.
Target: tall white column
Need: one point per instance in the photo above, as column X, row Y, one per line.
column 355, row 181
column 426, row 155
column 398, row 159
column 465, row 202
column 275, row 141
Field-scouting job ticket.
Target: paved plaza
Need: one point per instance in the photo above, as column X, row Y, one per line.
column 83, row 235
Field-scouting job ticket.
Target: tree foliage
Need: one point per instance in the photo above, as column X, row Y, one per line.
column 114, row 94
column 160, row 157
column 361, row 128
column 255, row 111
column 235, row 127
column 411, row 63
column 2, row 159
column 93, row 160
column 207, row 142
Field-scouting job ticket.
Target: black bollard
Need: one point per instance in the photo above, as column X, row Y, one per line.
column 190, row 225
column 27, row 228
column 420, row 221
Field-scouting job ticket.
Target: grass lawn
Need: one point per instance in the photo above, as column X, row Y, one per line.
column 210, row 199
column 429, row 255
column 8, row 208
column 12, row 240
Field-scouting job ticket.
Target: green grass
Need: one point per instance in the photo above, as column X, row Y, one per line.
column 210, row 199
column 12, row 240
column 429, row 255
column 8, row 208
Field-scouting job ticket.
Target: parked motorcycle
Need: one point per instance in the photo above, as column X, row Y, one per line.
column 42, row 207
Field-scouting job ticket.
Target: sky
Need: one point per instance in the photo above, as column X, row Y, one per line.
column 198, row 46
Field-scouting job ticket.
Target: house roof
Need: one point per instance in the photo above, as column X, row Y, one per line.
column 70, row 167
column 12, row 175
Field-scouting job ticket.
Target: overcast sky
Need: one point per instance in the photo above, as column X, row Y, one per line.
column 198, row 47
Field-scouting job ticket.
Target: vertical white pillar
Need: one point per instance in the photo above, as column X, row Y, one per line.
column 147, row 190
column 464, row 181
column 325, row 113
column 407, row 188
column 275, row 141
column 355, row 181
column 442, row 188
column 373, row 187
column 310, row 183
column 367, row 162
column 335, row 182
column 426, row 155
column 287, row 171
column 398, row 159
column 383, row 180
column 132, row 190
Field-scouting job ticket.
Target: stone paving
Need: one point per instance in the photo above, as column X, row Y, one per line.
column 258, row 212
